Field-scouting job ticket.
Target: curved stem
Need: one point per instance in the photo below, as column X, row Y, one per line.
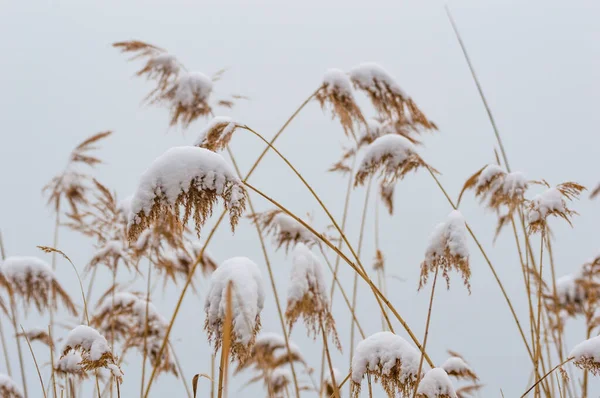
column 546, row 375
column 199, row 257
column 145, row 348
column 351, row 264
column 326, row 210
column 336, row 390
column 427, row 322
column 34, row 361
column 19, row 350
column 272, row 280
column 538, row 346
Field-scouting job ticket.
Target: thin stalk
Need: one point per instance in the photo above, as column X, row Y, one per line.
column 15, row 321
column 272, row 280
column 199, row 257
column 336, row 391
column 351, row 264
column 91, row 284
column 380, row 272
column 342, row 383
column 427, row 323
column 112, row 318
column 34, row 361
column 489, row 263
column 53, row 376
column 180, row 370
column 2, row 338
column 212, row 375
column 226, row 342
column 326, row 210
column 546, row 375
column 538, row 351
column 359, row 249
column 144, row 351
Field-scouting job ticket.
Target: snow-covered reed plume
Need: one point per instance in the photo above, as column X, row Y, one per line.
column 448, row 250
column 32, row 279
column 393, row 155
column 37, row 334
column 336, row 93
column 390, row 359
column 247, row 301
column 8, row 388
column 111, row 253
column 123, row 318
column 386, row 95
column 72, row 185
column 587, row 355
column 570, row 293
column 94, row 350
column 285, row 230
column 217, row 133
column 307, row 295
column 497, row 187
column 270, row 352
column 436, row 384
column 187, row 97
column 190, row 177
column 279, row 379
column 552, row 202
column 456, row 366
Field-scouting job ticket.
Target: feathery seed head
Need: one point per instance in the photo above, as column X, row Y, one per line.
column 285, row 230
column 552, row 202
column 8, row 388
column 448, row 250
column 217, row 134
column 187, row 97
column 37, row 334
column 457, row 367
column 436, row 384
column 190, row 177
column 587, row 355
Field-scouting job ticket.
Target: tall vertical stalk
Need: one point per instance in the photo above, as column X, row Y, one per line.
column 2, row 339
column 145, row 348
column 15, row 322
column 336, row 391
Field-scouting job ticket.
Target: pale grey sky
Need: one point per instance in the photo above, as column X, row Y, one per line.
column 539, row 63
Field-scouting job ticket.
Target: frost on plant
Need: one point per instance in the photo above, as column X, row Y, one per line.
column 32, row 280
column 70, row 364
column 307, row 295
column 270, row 352
column 247, row 302
column 189, row 177
column 8, row 388
column 328, row 386
column 336, row 93
column 393, row 155
column 436, row 384
column 386, row 95
column 217, row 134
column 552, row 202
column 390, row 359
column 447, row 250
column 587, row 355
column 94, row 350
column 279, row 380
column 285, row 230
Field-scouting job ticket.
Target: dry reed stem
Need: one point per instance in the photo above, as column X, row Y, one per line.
column 376, row 291
column 2, row 338
column 271, row 279
column 336, row 391
column 546, row 375
column 226, row 341
column 427, row 323
column 13, row 316
column 35, row 361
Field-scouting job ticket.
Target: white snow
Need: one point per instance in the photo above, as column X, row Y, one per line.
column 270, row 340
column 70, row 363
column 490, row 172
column 124, row 207
column 113, row 248
column 515, row 183
column 568, row 290
column 336, row 81
column 247, row 296
column 436, row 383
column 221, row 122
column 336, row 373
column 164, row 63
column 306, row 278
column 394, row 146
column 587, row 349
column 287, row 224
column 22, row 270
column 385, row 349
column 89, row 340
column 451, row 235
column 171, row 174
column 372, row 77
column 6, row 383
column 191, row 88
column 544, row 203
column 456, row 365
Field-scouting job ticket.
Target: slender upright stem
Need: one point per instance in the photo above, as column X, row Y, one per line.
column 336, row 391
column 272, row 280
column 34, row 361
column 546, row 375
column 53, row 375
column 427, row 322
column 15, row 322
column 212, row 375
column 180, row 370
column 538, row 347
column 199, row 257
column 359, row 249
column 226, row 344
column 144, row 351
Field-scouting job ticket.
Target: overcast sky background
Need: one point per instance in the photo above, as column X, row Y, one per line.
column 539, row 64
